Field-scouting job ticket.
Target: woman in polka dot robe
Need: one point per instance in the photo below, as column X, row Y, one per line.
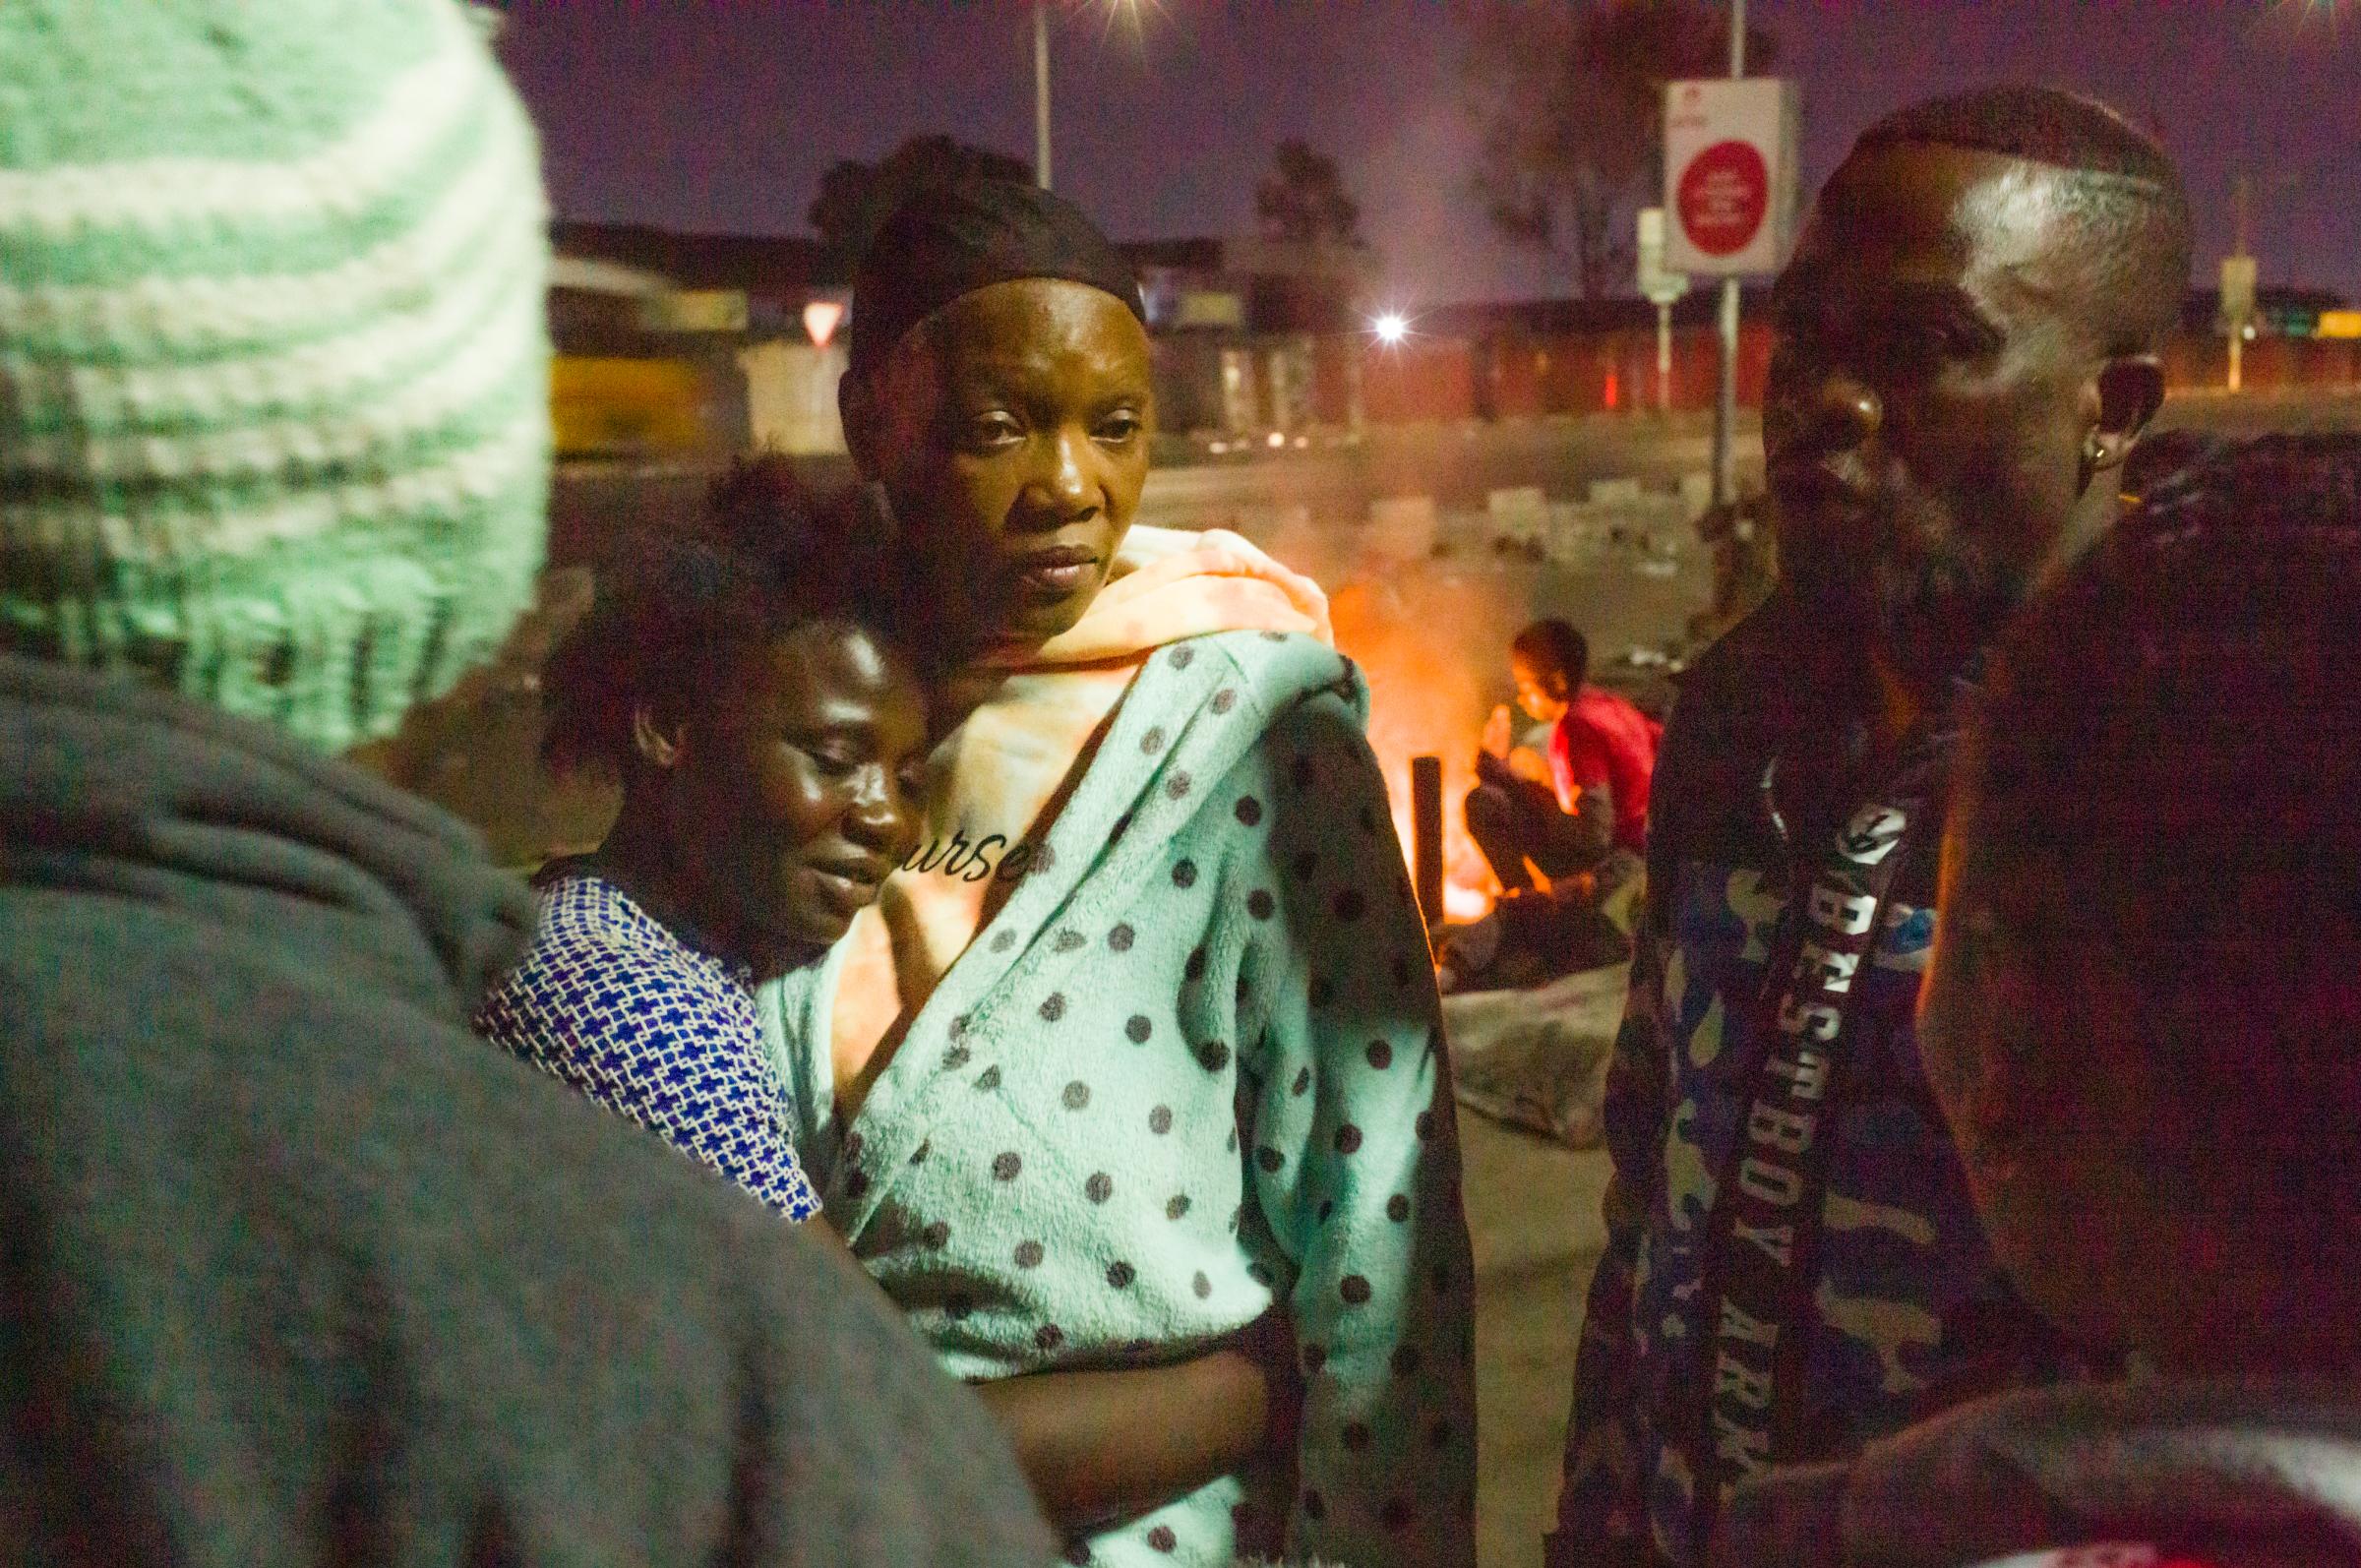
column 1141, row 1043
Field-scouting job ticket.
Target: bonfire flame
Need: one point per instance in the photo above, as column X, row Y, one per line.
column 1419, row 641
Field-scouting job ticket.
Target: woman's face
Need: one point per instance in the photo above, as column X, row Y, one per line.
column 1010, row 431
column 795, row 794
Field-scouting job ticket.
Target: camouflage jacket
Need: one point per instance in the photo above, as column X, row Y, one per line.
column 1913, row 1314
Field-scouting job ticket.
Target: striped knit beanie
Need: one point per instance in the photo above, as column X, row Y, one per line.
column 273, row 396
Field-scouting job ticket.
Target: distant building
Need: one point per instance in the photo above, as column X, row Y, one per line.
column 681, row 344
column 1240, row 328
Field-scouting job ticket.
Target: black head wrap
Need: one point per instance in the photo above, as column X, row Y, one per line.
column 954, row 239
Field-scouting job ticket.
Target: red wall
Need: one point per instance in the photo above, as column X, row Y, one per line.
column 1419, row 379
column 1572, row 374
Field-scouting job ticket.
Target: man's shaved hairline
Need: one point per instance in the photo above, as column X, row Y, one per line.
column 2080, row 185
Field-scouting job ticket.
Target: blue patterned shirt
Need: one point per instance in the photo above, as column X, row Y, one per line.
column 620, row 1006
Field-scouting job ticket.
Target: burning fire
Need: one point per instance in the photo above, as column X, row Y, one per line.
column 1420, row 638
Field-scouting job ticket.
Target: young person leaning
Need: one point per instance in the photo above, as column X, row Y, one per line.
column 2142, row 1024
column 770, row 732
column 1966, row 350
column 296, row 1269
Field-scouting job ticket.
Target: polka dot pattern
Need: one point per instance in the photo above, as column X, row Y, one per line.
column 1117, row 1023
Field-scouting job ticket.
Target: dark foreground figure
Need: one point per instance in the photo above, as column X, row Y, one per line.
column 292, row 1268
column 2142, row 1026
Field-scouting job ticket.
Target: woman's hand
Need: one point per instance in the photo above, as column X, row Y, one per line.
column 1269, row 1342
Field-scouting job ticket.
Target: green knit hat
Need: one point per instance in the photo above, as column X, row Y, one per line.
column 274, row 370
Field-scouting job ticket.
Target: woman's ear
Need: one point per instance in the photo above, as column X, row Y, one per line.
column 658, row 742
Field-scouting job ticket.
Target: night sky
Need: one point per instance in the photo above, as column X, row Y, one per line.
column 722, row 115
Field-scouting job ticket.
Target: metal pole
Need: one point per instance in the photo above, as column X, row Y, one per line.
column 1426, row 835
column 1041, row 93
column 1663, row 358
column 1725, row 404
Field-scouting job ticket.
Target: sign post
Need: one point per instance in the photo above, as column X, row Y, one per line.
column 1660, row 288
column 1730, row 190
column 2237, row 308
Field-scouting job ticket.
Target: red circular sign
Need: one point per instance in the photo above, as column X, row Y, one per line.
column 1725, row 194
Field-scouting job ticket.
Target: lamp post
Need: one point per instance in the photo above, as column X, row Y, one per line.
column 1726, row 400
column 1041, row 93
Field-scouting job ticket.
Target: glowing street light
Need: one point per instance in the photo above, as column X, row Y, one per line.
column 1041, row 76
column 1392, row 328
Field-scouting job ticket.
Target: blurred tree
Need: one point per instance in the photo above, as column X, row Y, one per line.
column 1569, row 105
column 1302, row 199
column 856, row 198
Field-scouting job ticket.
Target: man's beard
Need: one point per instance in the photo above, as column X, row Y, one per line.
column 1928, row 602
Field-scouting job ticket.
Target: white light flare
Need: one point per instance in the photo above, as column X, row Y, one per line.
column 1391, row 327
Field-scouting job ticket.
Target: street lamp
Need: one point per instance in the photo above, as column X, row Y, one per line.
column 1391, row 327
column 1041, row 78
column 1040, row 92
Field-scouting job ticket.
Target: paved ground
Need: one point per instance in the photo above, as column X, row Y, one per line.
column 1533, row 1207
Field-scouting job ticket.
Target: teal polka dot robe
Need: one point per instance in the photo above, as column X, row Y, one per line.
column 1192, row 1069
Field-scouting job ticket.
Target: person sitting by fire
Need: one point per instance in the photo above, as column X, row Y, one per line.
column 1564, row 832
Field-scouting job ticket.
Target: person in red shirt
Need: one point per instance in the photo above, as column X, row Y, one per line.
column 1565, row 831
column 1590, row 798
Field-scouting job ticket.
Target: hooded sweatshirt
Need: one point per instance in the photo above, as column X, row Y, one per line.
column 296, row 1270
column 1178, row 1065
